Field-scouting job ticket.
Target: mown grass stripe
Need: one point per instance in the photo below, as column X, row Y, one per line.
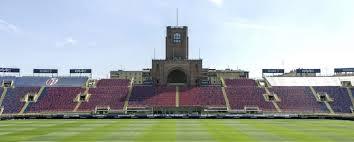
column 98, row 133
column 323, row 129
column 223, row 133
column 188, row 130
column 282, row 130
column 164, row 130
column 28, row 135
column 254, row 132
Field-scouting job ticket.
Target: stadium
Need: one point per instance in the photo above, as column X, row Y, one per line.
column 177, row 99
column 175, row 88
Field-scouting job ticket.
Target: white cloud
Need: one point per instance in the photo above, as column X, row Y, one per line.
column 254, row 26
column 67, row 42
column 7, row 27
column 92, row 44
column 245, row 24
column 218, row 3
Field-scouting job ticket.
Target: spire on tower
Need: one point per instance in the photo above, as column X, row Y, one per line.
column 177, row 16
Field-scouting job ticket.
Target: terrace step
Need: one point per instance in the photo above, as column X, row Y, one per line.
column 126, row 102
column 329, row 107
column 77, row 106
column 177, row 96
column 267, row 83
column 223, row 84
column 318, row 99
column 227, row 102
column 350, row 95
column 77, row 99
column 40, row 91
column 273, row 102
column 24, row 108
column 3, row 94
column 276, row 106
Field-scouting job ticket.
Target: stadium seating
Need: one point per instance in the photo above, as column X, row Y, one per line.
column 298, row 99
column 112, row 97
column 149, row 96
column 71, row 82
column 240, row 82
column 59, row 97
column 56, row 99
column 112, row 82
column 309, row 81
column 201, row 96
column 2, row 78
column 30, row 81
column 12, row 102
column 341, row 100
column 242, row 96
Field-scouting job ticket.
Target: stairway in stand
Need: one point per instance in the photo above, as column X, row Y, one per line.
column 3, row 94
column 274, row 102
column 318, row 99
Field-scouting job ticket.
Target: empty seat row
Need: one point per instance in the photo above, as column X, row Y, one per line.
column 243, row 96
column 240, row 82
column 13, row 101
column 56, row 99
column 298, row 99
column 32, row 81
column 341, row 100
column 112, row 82
column 210, row 96
column 113, row 98
column 149, row 96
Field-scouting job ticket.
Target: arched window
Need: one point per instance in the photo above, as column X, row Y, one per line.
column 176, row 38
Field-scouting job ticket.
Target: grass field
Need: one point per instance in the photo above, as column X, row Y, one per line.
column 202, row 130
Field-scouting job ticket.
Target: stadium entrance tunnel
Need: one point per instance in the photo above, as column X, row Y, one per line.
column 177, row 76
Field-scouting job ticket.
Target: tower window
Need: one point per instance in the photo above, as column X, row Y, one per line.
column 176, row 38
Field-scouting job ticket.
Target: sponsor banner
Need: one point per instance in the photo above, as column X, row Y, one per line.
column 13, row 70
column 147, row 82
column 344, row 70
column 52, row 81
column 45, row 70
column 272, row 70
column 308, row 70
column 80, row 70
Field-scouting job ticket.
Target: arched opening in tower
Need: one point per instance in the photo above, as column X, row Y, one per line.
column 177, row 76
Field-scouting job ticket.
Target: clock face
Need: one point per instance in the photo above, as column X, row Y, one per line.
column 176, row 38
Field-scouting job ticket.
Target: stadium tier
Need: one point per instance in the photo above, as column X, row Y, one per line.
column 202, row 96
column 240, row 82
column 248, row 96
column 14, row 98
column 7, row 78
column 31, row 81
column 112, row 82
column 62, row 94
column 341, row 100
column 298, row 99
column 245, row 93
column 56, row 99
column 149, row 96
column 112, row 97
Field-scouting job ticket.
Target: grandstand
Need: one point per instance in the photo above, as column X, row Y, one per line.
column 37, row 97
column 176, row 86
column 176, row 95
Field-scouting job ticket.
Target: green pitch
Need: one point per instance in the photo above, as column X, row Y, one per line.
column 190, row 130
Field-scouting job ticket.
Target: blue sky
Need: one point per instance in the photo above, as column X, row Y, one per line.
column 112, row 34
